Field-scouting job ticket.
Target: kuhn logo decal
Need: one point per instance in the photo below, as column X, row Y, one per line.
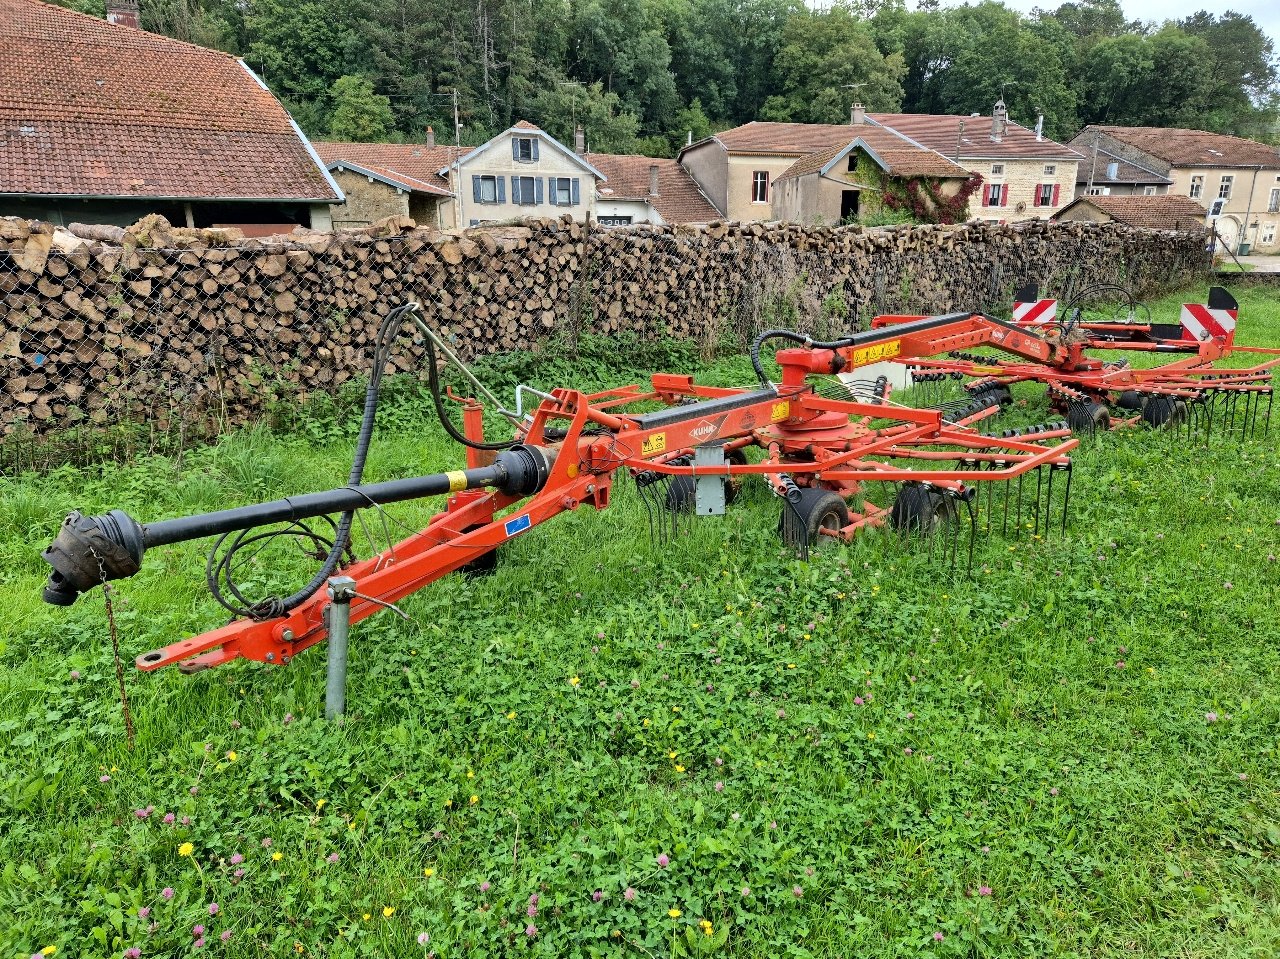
column 708, row 428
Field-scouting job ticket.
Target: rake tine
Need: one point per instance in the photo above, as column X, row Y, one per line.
column 1039, row 479
column 973, row 532
column 1266, row 425
column 1066, row 496
column 1018, row 519
column 1048, row 506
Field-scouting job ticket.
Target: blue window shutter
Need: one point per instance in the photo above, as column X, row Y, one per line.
column 515, row 189
column 535, row 148
column 537, row 189
column 502, row 188
column 515, row 148
column 576, row 195
column 475, row 188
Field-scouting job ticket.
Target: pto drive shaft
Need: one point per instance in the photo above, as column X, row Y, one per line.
column 89, row 550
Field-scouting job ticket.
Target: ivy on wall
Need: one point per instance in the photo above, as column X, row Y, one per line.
column 920, row 198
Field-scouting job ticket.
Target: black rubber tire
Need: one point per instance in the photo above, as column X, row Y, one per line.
column 1089, row 418
column 817, row 509
column 681, row 495
column 1164, row 411
column 1130, row 400
column 483, row 566
column 922, row 509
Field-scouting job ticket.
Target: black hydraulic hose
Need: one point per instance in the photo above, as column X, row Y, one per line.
column 794, row 337
column 433, row 383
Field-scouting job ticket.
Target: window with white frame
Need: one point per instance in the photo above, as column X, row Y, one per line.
column 1224, row 186
column 1044, row 194
column 1099, row 191
column 1197, row 187
column 760, row 186
column 486, row 189
column 1273, row 204
column 1148, row 191
column 1268, row 233
column 997, row 169
column 562, row 190
column 1050, row 169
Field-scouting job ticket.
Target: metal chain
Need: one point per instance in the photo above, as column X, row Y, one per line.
column 115, row 647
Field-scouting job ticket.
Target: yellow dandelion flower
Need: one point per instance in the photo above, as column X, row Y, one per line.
column 791, row 665
column 574, row 681
column 512, row 714
column 428, row 872
column 366, row 917
column 675, row 709
column 474, row 800
column 673, row 913
column 186, row 849
column 871, row 735
column 470, row 774
column 645, row 723
column 350, row 826
column 321, row 803
column 707, row 929
column 388, row 911
column 679, row 769
column 672, row 754
column 807, row 636
column 299, row 948
column 48, row 950
column 231, row 755
column 696, row 625
column 448, row 803
column 277, row 856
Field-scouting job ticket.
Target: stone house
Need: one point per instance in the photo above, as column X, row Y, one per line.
column 852, row 180
column 640, row 189
column 1235, row 181
column 1161, row 212
column 101, row 122
column 1026, row 175
column 522, row 172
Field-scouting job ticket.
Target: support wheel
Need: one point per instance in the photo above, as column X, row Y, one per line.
column 1088, row 418
column 681, row 497
column 1164, row 412
column 1000, row 394
column 922, row 509
column 483, row 566
column 1129, row 400
column 818, row 509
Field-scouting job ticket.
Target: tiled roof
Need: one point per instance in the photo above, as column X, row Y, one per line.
column 1195, row 147
column 899, row 155
column 88, row 108
column 943, row 133
column 1127, row 172
column 525, row 125
column 414, row 160
column 1166, row 212
column 786, row 139
column 402, row 180
column 678, row 200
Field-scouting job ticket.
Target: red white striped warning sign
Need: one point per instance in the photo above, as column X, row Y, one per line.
column 1200, row 323
column 1037, row 311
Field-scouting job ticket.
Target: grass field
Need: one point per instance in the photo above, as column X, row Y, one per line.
column 614, row 749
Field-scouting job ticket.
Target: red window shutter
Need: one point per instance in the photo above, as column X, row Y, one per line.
column 1039, row 194
column 1056, row 188
column 1004, row 194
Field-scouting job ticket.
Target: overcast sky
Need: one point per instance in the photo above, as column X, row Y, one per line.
column 1265, row 13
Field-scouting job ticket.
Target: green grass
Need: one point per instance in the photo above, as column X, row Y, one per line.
column 1038, row 729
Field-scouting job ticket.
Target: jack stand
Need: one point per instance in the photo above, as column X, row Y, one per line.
column 342, row 589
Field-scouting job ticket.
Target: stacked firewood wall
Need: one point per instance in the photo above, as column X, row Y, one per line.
column 101, row 325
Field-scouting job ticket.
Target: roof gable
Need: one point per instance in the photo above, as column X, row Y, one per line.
column 1167, row 212
column 89, row 108
column 400, row 181
column 524, row 127
column 895, row 154
column 678, row 200
column 416, row 161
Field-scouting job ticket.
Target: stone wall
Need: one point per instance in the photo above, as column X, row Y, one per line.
column 170, row 326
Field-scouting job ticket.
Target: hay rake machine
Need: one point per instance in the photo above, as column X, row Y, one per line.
column 817, row 446
column 1190, row 394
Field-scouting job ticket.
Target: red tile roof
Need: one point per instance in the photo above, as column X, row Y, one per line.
column 1167, row 212
column 1195, row 147
column 412, row 160
column 898, row 154
column 678, row 200
column 525, row 125
column 786, row 139
column 401, row 180
column 942, row 132
column 89, row 108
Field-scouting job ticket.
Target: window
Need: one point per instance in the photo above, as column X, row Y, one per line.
column 524, row 149
column 1224, row 187
column 995, row 194
column 997, row 169
column 1046, row 194
column 488, row 189
column 1099, row 191
column 1050, row 169
column 614, row 221
column 564, row 190
column 760, row 186
column 1148, row 191
column 1268, row 234
column 1197, row 187
column 1215, row 208
column 526, row 190
column 1273, row 204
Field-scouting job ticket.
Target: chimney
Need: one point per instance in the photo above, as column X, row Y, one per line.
column 653, row 179
column 689, row 139
column 579, row 139
column 431, row 137
column 858, row 114
column 123, row 13
column 1040, row 128
column 999, row 120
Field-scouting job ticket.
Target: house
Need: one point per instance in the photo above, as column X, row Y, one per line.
column 103, row 123
column 858, row 178
column 1103, row 173
column 1235, row 181
column 640, row 189
column 1026, row 175
column 1167, row 212
column 522, row 172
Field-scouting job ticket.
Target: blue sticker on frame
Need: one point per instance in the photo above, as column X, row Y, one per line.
column 517, row 525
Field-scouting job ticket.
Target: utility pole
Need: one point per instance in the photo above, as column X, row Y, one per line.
column 457, row 159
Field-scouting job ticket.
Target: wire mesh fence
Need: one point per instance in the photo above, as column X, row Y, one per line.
column 107, row 351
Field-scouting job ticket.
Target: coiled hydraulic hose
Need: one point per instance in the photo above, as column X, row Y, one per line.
column 794, row 337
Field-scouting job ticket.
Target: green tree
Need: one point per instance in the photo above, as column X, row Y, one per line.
column 609, row 127
column 358, row 113
column 1242, row 68
column 300, row 47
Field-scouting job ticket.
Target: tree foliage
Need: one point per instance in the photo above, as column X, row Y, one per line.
column 641, row 74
